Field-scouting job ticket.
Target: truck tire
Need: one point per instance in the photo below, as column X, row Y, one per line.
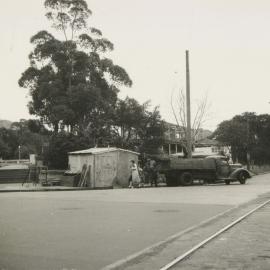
column 186, row 179
column 242, row 177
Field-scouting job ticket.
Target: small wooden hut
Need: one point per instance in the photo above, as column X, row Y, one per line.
column 103, row 167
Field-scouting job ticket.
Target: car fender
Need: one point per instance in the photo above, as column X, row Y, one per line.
column 235, row 173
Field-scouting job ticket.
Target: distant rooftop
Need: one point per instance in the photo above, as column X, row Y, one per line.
column 100, row 150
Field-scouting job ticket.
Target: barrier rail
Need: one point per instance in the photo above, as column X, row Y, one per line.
column 15, row 161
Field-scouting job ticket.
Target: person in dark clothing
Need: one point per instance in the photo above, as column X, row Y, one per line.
column 147, row 172
column 153, row 172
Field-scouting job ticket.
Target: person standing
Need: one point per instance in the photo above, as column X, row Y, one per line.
column 147, row 172
column 153, row 170
column 141, row 174
column 135, row 178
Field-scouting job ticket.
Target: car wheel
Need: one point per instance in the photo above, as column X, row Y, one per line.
column 242, row 178
column 186, row 179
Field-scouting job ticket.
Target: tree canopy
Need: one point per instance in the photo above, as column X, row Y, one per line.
column 246, row 134
column 71, row 79
column 74, row 88
column 30, row 135
column 138, row 126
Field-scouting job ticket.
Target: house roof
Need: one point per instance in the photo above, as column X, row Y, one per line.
column 100, row 150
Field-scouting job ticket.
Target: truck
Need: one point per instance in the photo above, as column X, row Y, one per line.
column 212, row 169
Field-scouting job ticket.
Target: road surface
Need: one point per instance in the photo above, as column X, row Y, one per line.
column 91, row 229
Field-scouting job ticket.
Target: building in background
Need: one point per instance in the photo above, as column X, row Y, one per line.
column 175, row 137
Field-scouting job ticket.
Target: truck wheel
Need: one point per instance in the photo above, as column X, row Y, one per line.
column 186, row 179
column 227, row 182
column 242, row 178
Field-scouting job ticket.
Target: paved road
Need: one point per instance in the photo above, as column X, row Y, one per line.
column 90, row 229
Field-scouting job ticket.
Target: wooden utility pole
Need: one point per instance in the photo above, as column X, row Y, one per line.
column 248, row 141
column 189, row 145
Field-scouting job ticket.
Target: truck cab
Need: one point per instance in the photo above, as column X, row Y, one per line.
column 229, row 172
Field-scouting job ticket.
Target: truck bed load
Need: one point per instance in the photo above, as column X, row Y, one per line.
column 192, row 164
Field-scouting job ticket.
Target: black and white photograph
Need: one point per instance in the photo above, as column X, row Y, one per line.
column 135, row 135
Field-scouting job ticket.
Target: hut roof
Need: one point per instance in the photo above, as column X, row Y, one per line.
column 100, row 150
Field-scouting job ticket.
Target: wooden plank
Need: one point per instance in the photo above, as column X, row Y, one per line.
column 82, row 175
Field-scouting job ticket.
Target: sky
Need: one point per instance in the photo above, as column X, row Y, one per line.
column 228, row 43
